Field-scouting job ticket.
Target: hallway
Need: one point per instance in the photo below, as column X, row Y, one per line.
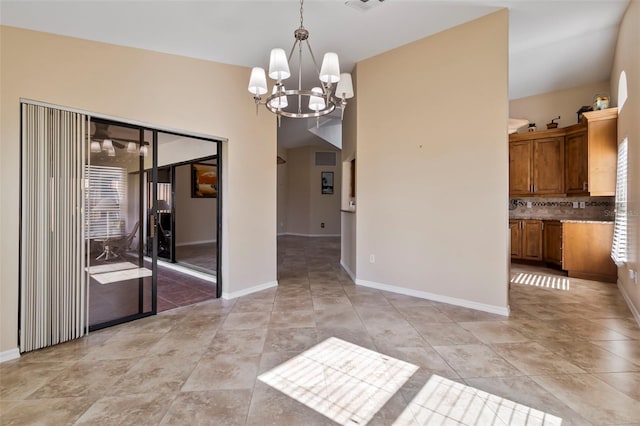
column 571, row 351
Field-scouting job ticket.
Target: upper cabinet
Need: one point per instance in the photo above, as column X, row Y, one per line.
column 575, row 160
column 536, row 164
column 602, row 151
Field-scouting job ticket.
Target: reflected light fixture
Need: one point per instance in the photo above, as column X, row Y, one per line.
column 95, row 146
column 132, row 147
column 143, row 150
column 319, row 101
column 107, row 145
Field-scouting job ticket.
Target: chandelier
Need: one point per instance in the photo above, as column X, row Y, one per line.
column 298, row 103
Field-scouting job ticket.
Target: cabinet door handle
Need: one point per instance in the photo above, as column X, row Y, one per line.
column 584, row 186
column 534, row 187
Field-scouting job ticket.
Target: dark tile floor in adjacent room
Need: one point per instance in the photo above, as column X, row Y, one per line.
column 176, row 289
column 202, row 256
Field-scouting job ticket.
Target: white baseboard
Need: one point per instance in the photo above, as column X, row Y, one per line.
column 246, row 291
column 9, row 355
column 627, row 299
column 296, row 234
column 499, row 310
column 349, row 271
column 195, row 243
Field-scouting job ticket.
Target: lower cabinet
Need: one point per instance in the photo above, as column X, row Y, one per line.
column 526, row 239
column 582, row 248
column 552, row 241
column 587, row 250
column 536, row 240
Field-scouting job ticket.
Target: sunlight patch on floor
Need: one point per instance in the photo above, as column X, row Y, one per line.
column 345, row 382
column 445, row 402
column 538, row 280
column 123, row 275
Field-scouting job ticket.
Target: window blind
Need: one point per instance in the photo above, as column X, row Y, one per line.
column 105, row 200
column 619, row 246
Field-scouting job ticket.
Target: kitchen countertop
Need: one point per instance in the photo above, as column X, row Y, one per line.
column 563, row 220
column 585, row 221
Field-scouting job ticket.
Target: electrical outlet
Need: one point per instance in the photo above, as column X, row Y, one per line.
column 372, row 258
column 575, row 205
column 322, row 225
column 582, row 204
column 633, row 275
column 529, row 204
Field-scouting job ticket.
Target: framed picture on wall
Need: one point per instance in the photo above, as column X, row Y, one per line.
column 327, row 182
column 204, row 180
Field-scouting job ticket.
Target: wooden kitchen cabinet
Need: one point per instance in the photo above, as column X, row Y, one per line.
column 587, row 250
column 552, row 242
column 591, row 151
column 520, row 164
column 536, row 164
column 516, row 239
column 576, row 161
column 526, row 239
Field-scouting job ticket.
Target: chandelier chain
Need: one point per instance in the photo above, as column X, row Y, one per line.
column 301, row 10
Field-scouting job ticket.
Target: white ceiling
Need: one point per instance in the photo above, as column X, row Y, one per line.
column 553, row 44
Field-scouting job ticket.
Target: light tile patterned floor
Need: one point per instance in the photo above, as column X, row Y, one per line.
column 573, row 354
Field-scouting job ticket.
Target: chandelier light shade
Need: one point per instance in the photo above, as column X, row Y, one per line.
column 317, row 102
column 144, row 150
column 280, row 101
column 344, row 89
column 330, row 71
column 258, row 82
column 132, row 147
column 334, row 89
column 278, row 65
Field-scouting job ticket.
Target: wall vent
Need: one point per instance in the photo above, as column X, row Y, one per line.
column 326, row 159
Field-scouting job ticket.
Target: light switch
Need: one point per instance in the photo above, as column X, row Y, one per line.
column 575, row 205
column 582, row 204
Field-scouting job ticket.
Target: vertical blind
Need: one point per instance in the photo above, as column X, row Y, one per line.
column 619, row 246
column 52, row 250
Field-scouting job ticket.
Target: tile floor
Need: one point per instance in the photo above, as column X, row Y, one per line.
column 574, row 354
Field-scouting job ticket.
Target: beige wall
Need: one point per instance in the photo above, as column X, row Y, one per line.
column 349, row 145
column 281, row 224
column 160, row 89
column 627, row 58
column 540, row 109
column 432, row 166
column 195, row 219
column 307, row 207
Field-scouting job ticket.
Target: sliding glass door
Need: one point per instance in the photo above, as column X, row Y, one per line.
column 100, row 204
column 121, row 283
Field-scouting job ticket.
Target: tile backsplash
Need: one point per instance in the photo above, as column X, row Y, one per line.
column 596, row 208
